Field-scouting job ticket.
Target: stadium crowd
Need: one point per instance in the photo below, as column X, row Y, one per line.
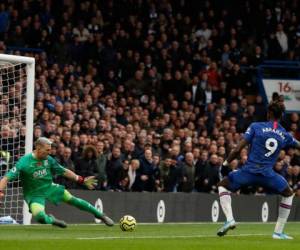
column 152, row 97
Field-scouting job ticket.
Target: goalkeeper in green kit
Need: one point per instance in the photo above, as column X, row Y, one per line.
column 35, row 171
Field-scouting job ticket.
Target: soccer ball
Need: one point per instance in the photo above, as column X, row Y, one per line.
column 127, row 223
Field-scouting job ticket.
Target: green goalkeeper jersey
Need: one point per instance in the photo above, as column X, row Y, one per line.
column 36, row 175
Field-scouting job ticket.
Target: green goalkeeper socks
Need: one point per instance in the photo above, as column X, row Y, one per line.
column 43, row 218
column 85, row 206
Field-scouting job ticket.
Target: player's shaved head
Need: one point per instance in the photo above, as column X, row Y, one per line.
column 42, row 148
column 41, row 141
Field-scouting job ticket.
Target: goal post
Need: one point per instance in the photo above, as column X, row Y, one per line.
column 17, row 76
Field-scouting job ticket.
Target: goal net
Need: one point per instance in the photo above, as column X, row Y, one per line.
column 16, row 126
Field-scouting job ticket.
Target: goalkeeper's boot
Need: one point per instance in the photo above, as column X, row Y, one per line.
column 229, row 225
column 281, row 236
column 58, row 223
column 106, row 220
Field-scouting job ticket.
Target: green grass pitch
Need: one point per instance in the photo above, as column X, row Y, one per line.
column 146, row 236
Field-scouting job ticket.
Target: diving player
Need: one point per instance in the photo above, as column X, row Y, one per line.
column 36, row 172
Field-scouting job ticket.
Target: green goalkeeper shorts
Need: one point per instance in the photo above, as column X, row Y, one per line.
column 54, row 194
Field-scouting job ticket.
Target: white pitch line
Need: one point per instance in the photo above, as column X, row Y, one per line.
column 168, row 237
column 186, row 223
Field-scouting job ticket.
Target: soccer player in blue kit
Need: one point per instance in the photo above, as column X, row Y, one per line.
column 265, row 140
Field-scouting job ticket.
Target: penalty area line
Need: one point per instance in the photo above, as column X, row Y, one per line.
column 167, row 236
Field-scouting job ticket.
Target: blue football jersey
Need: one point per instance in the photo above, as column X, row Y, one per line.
column 266, row 139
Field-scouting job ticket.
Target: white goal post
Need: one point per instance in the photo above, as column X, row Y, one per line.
column 17, row 78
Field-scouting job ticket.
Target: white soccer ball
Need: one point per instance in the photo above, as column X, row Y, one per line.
column 127, row 223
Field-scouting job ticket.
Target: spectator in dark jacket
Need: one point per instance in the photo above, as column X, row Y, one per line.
column 86, row 165
column 198, row 94
column 209, row 175
column 188, row 171
column 170, row 175
column 114, row 168
column 67, row 162
column 200, row 165
column 145, row 179
column 127, row 149
column 101, row 166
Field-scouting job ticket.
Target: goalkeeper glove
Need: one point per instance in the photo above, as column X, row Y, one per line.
column 90, row 182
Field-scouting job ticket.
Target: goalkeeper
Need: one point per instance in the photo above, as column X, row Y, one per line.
column 36, row 170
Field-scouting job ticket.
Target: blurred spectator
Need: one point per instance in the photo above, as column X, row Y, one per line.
column 170, row 175
column 209, row 175
column 114, row 168
column 188, row 170
column 101, row 165
column 86, row 165
column 66, row 161
column 132, row 172
column 145, row 180
column 157, row 79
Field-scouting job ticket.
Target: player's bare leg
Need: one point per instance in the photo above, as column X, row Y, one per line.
column 283, row 214
column 225, row 200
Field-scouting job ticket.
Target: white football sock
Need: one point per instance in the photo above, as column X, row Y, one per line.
column 225, row 200
column 283, row 213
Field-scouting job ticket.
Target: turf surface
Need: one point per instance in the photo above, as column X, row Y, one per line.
column 148, row 236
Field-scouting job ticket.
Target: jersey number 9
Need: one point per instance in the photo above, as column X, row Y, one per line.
column 271, row 145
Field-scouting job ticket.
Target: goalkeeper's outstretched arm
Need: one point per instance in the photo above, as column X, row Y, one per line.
column 90, row 182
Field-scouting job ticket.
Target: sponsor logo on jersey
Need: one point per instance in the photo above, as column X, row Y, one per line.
column 39, row 173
